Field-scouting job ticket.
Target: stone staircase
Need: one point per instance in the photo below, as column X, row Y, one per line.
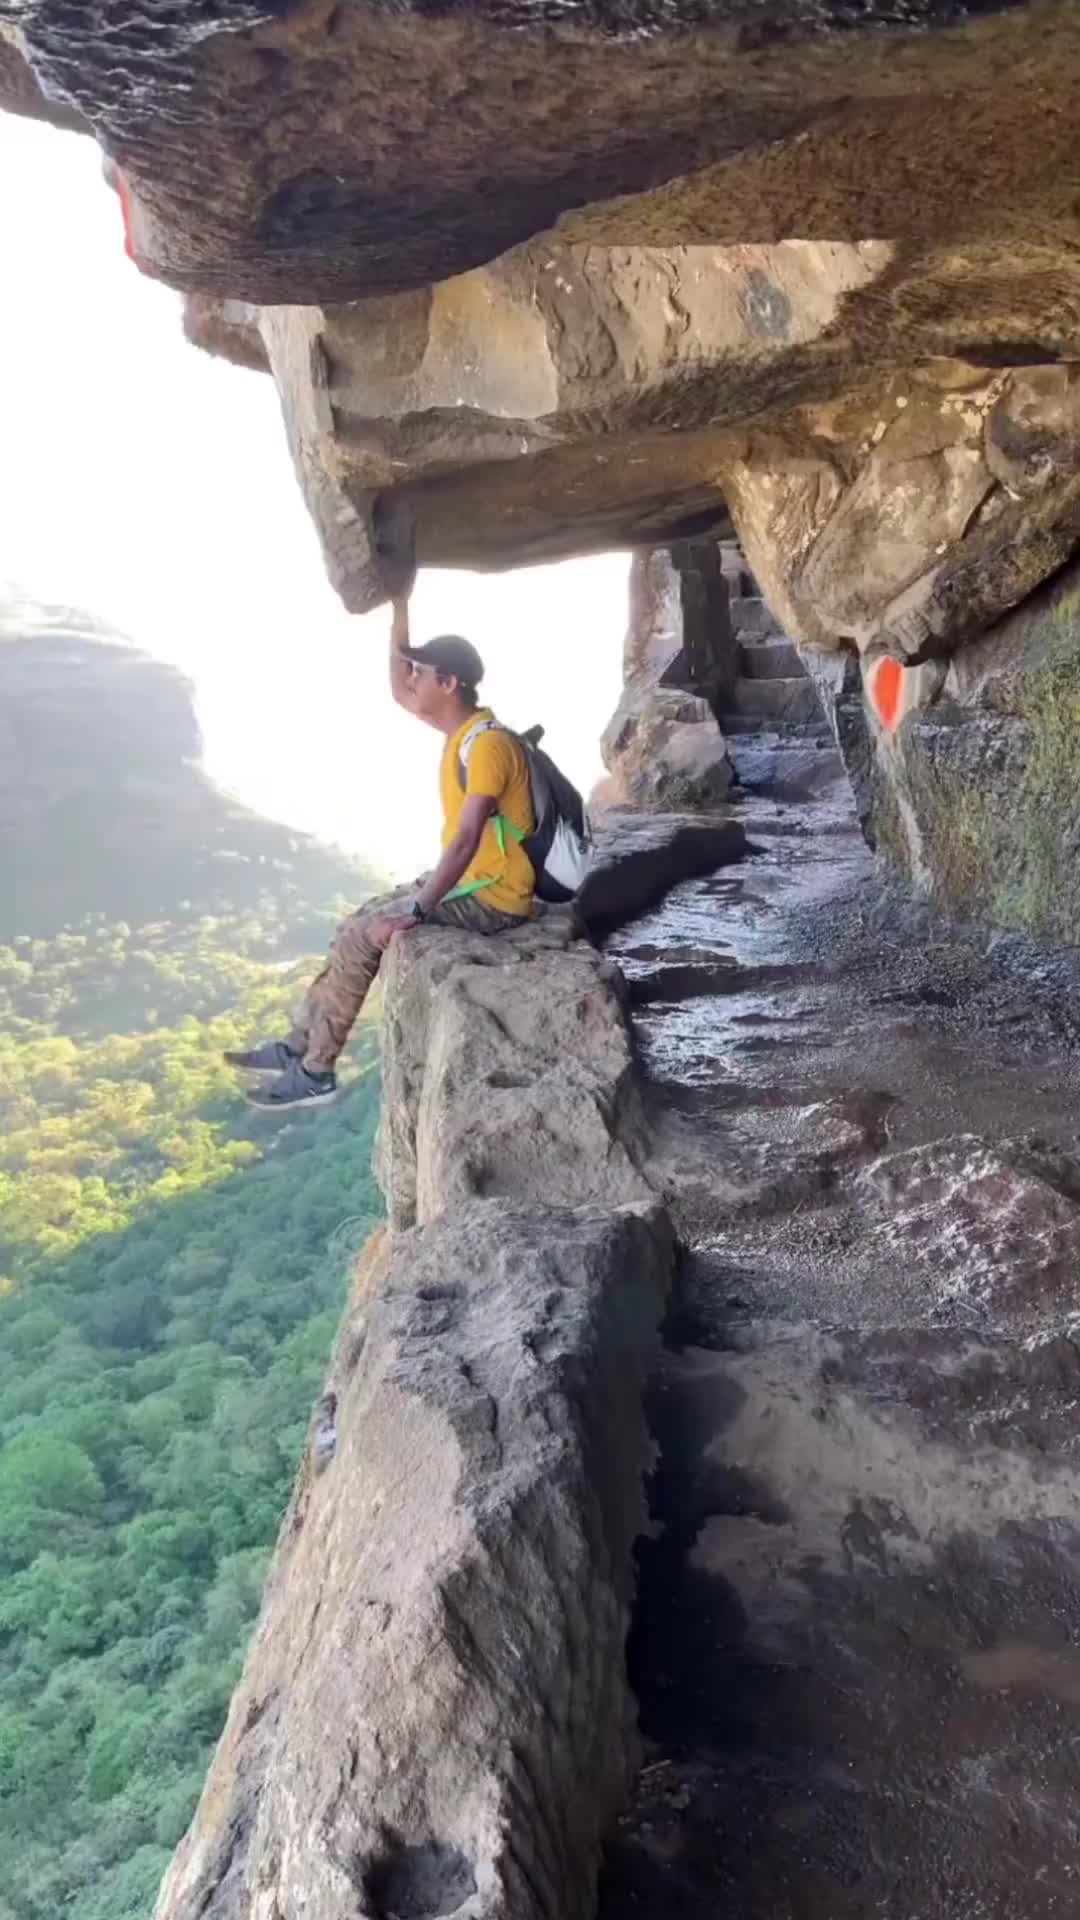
column 714, row 692
column 776, row 731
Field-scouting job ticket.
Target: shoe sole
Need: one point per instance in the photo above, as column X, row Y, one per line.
column 260, row 1073
column 292, row 1106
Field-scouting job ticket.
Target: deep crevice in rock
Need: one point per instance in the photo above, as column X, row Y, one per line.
column 419, row 1883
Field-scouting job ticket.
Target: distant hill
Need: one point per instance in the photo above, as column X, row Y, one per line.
column 104, row 808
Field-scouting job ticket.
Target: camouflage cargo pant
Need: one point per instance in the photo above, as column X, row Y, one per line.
column 336, row 996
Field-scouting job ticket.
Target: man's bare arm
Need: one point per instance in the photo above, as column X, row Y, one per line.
column 475, row 814
column 399, row 640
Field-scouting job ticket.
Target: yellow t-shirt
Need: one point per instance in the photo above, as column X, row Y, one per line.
column 499, row 769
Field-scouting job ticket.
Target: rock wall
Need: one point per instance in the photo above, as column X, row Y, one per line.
column 663, row 748
column 908, row 520
column 895, row 443
column 968, row 771
column 435, row 1710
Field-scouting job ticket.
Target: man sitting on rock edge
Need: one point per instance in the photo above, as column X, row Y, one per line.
column 483, row 882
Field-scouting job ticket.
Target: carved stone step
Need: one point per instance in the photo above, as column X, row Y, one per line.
column 786, row 700
column 751, row 618
column 771, row 660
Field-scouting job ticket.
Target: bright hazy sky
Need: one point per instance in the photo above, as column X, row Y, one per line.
column 147, row 483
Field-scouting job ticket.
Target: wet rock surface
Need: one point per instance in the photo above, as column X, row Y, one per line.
column 639, row 857
column 853, row 1644
column 508, row 1064
column 855, row 1640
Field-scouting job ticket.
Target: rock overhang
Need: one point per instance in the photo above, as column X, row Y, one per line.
column 538, row 283
column 407, row 145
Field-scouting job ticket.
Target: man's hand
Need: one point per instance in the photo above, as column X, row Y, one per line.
column 383, row 927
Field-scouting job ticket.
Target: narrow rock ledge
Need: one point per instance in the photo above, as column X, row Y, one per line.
column 435, row 1717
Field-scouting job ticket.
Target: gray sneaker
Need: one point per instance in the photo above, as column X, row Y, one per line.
column 295, row 1088
column 270, row 1056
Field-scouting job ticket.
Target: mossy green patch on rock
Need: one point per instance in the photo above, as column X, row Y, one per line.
column 961, row 831
column 994, row 799
column 1042, row 888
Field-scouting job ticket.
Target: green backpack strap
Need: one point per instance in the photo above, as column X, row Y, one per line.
column 503, row 826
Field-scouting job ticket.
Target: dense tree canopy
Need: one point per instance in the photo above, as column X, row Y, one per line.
column 171, row 1271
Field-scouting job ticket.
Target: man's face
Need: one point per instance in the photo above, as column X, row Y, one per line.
column 427, row 692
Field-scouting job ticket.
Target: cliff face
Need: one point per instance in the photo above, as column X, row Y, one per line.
column 892, row 429
column 103, row 805
column 435, row 1716
column 530, row 282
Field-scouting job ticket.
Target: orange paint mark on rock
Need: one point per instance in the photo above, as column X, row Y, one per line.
column 886, row 689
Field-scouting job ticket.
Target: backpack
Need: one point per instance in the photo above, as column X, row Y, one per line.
column 560, row 845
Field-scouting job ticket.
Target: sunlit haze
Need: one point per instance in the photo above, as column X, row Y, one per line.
column 151, row 485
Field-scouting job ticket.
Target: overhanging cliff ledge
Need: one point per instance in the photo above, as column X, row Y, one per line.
column 536, row 281
column 298, row 150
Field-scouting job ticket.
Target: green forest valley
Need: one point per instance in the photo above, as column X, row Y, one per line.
column 172, row 1268
column 172, row 1264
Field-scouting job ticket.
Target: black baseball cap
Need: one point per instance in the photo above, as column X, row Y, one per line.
column 449, row 653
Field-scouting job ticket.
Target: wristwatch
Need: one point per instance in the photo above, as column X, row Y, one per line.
column 417, row 911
